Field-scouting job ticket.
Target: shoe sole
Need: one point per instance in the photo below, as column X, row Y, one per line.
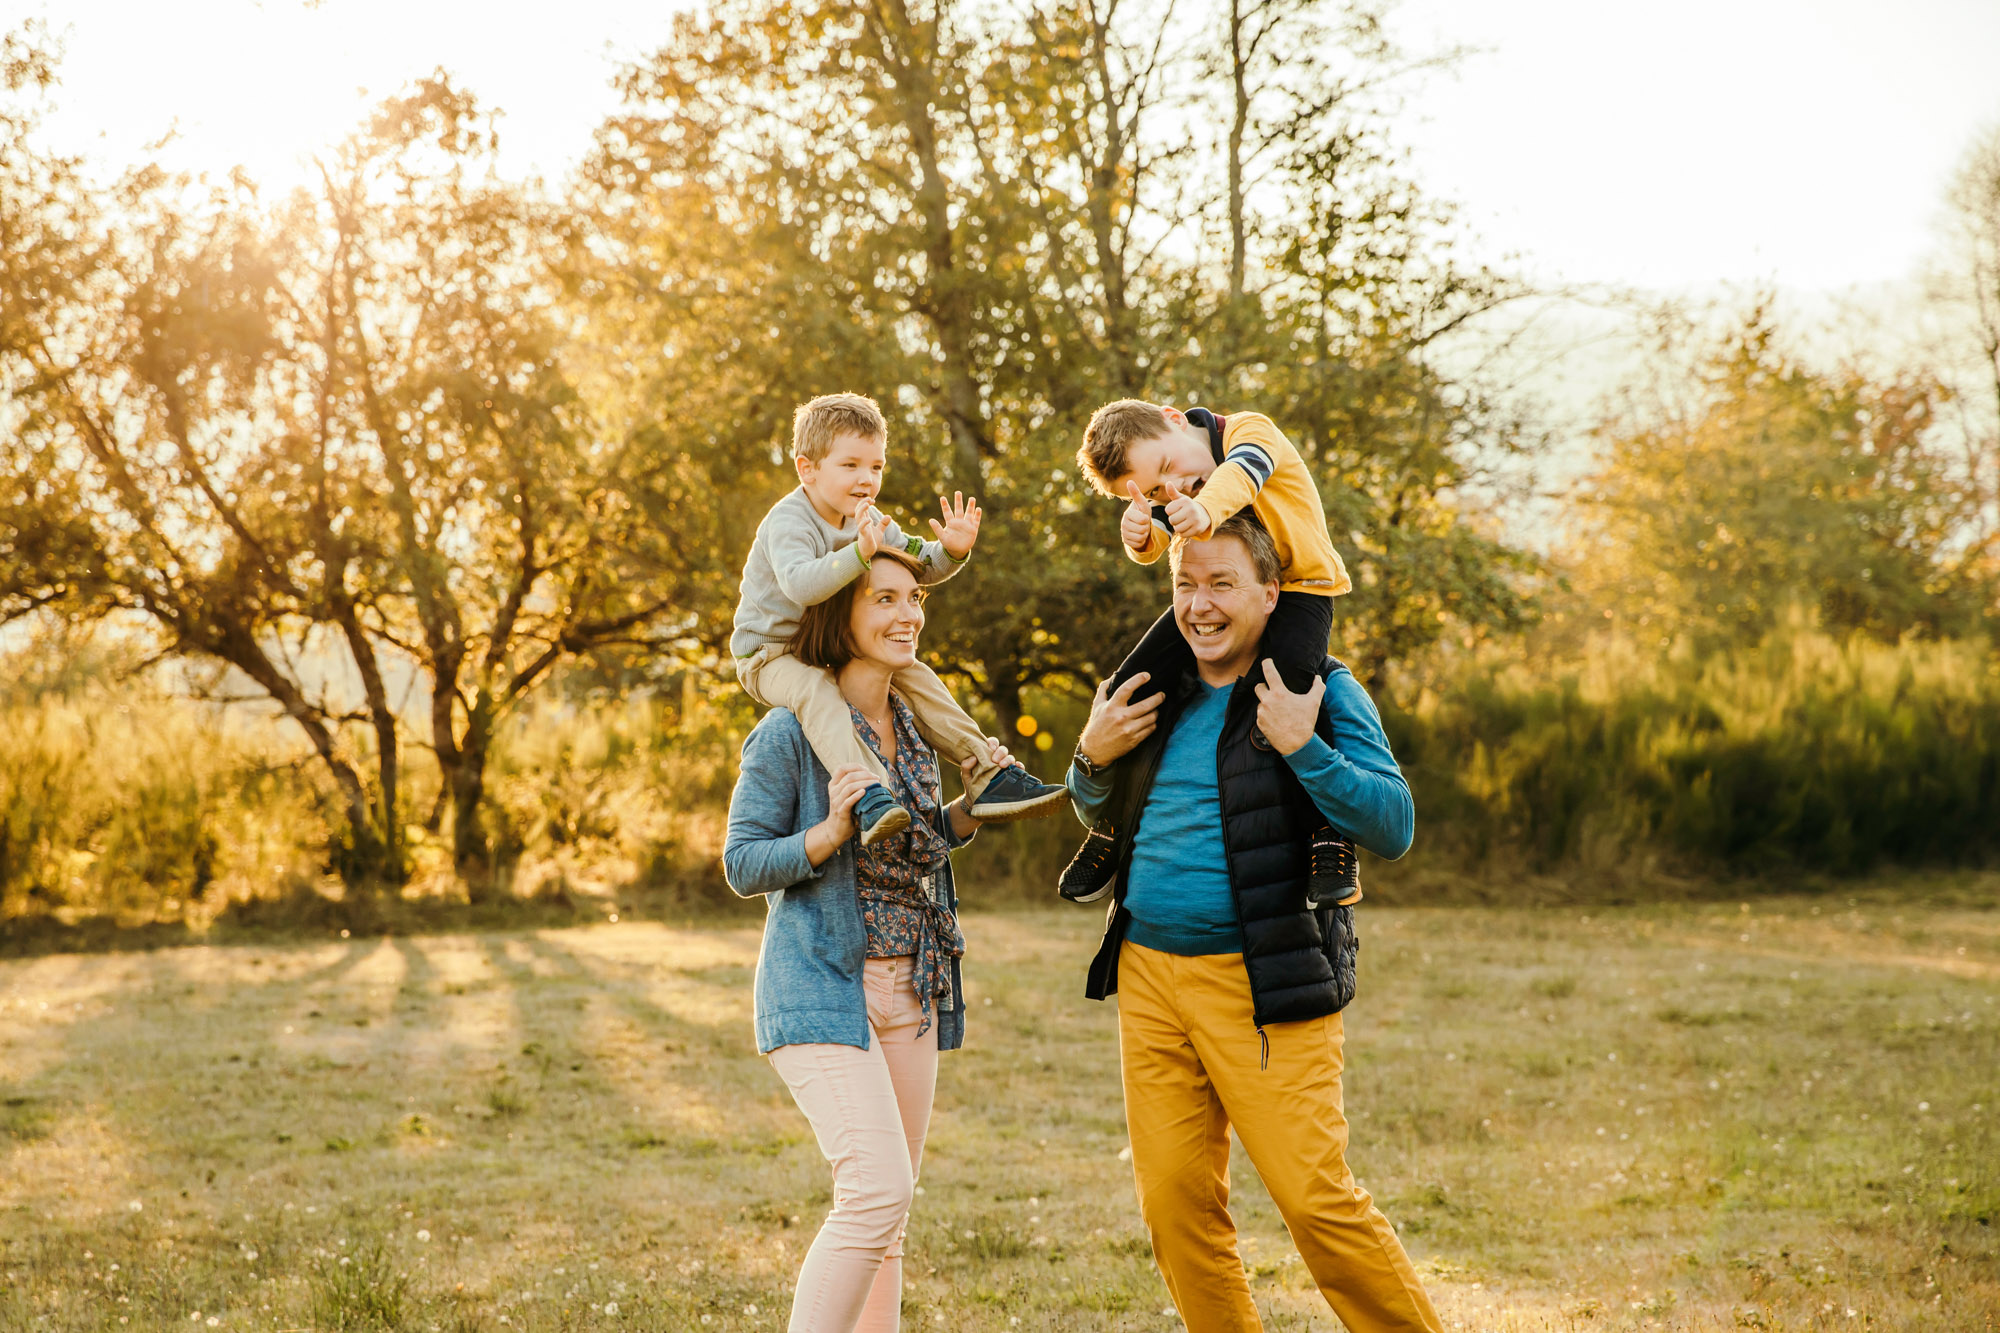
column 1035, row 807
column 888, row 826
column 1084, row 898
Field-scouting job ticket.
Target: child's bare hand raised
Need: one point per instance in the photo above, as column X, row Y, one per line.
column 1136, row 527
column 868, row 532
column 960, row 528
column 1185, row 513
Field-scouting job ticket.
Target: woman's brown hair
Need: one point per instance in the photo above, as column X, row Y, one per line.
column 825, row 636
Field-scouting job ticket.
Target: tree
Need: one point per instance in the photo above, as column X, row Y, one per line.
column 331, row 439
column 1967, row 283
column 1772, row 486
column 995, row 221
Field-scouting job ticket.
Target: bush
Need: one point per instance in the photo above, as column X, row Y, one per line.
column 124, row 804
column 1805, row 753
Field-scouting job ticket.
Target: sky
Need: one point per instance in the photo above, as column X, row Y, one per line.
column 1801, row 144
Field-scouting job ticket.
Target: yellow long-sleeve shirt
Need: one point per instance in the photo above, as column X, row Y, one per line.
column 1262, row 469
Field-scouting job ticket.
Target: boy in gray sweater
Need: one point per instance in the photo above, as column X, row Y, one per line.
column 802, row 556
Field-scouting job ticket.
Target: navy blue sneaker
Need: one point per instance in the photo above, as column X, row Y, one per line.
column 878, row 816
column 1015, row 794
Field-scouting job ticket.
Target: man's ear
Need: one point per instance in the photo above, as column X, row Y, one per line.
column 1270, row 597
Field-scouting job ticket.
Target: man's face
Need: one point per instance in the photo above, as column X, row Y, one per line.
column 1221, row 607
column 848, row 479
column 1179, row 458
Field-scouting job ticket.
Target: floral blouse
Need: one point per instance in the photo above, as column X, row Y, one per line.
column 902, row 898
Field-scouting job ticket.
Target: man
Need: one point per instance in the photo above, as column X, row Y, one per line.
column 1230, row 983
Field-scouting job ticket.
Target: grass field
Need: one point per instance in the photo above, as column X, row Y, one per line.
column 1779, row 1115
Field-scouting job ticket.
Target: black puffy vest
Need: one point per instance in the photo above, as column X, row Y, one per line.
column 1300, row 961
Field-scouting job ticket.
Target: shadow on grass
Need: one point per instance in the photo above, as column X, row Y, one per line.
column 304, row 912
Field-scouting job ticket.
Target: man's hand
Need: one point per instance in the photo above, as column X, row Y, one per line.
column 1286, row 719
column 869, row 532
column 1136, row 527
column 1116, row 723
column 1186, row 515
column 960, row 528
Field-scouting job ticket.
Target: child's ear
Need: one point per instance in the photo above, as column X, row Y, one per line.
column 803, row 466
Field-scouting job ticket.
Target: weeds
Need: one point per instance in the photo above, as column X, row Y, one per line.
column 359, row 1288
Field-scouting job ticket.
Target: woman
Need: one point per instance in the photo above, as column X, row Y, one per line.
column 858, row 980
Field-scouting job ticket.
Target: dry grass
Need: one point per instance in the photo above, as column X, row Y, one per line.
column 1682, row 1117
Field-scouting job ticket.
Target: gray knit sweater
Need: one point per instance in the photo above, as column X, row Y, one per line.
column 800, row 560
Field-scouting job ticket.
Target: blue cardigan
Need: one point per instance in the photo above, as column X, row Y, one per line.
column 809, row 970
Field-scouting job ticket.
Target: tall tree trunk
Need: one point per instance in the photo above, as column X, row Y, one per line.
column 1238, row 125
column 471, row 853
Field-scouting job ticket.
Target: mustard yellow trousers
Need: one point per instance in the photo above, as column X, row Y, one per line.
column 1193, row 1067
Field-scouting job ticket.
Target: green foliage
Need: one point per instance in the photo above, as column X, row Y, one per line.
column 986, row 219
column 1802, row 752
column 360, row 1288
column 1776, row 484
column 119, row 804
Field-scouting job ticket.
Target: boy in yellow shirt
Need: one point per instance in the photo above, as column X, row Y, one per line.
column 1182, row 474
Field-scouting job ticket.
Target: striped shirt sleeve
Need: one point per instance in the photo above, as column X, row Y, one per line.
column 1255, row 450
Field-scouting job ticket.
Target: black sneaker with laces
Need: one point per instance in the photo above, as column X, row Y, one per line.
column 1090, row 873
column 877, row 815
column 1335, row 879
column 1014, row 793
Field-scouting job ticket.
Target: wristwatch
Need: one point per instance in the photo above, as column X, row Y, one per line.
column 1084, row 765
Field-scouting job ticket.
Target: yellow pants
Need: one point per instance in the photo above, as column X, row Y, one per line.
column 1191, row 1060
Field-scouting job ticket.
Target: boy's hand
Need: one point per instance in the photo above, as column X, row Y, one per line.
column 1136, row 527
column 960, row 528
column 1185, row 513
column 868, row 534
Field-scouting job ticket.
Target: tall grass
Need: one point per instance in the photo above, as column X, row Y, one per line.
column 1806, row 752
column 123, row 804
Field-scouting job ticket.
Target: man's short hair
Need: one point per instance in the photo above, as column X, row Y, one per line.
column 1114, row 428
column 815, row 425
column 1247, row 528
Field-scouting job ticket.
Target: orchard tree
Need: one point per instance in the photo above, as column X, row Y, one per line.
column 1764, row 484
column 994, row 221
column 329, row 444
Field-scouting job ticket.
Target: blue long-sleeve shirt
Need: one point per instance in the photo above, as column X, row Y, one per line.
column 1177, row 889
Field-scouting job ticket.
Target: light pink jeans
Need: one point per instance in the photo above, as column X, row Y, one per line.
column 870, row 1111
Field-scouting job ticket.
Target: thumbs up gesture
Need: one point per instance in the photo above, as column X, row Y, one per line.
column 1185, row 513
column 1136, row 527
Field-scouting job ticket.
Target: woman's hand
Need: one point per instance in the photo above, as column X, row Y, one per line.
column 960, row 810
column 843, row 788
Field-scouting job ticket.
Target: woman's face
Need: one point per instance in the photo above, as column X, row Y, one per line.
column 888, row 615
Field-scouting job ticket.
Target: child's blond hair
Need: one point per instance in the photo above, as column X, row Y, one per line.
column 815, row 425
column 1114, row 428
